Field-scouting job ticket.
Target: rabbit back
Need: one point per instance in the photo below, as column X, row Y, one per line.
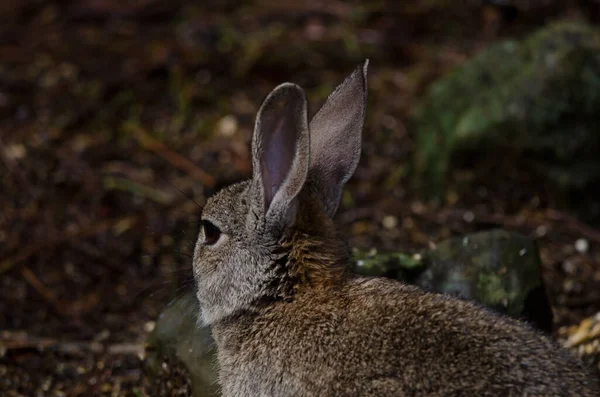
column 375, row 336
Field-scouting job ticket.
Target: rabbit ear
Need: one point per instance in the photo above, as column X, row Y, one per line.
column 336, row 138
column 280, row 154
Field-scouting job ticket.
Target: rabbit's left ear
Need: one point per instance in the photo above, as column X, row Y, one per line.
column 280, row 156
column 335, row 135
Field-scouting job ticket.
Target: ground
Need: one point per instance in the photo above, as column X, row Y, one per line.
column 119, row 118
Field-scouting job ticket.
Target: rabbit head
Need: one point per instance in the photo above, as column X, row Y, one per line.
column 264, row 239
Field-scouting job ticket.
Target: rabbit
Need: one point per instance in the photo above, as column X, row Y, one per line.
column 290, row 318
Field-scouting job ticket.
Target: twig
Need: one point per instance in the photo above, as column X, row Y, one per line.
column 38, row 286
column 75, row 233
column 133, row 187
column 172, row 157
column 20, row 341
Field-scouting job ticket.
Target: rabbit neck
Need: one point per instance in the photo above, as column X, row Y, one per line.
column 312, row 262
column 317, row 257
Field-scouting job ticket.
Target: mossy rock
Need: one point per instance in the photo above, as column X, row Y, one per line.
column 496, row 268
column 537, row 100
column 178, row 336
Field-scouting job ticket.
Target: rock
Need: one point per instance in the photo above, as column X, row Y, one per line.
column 177, row 335
column 536, row 100
column 496, row 268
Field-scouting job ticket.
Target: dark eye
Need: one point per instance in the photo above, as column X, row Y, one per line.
column 211, row 233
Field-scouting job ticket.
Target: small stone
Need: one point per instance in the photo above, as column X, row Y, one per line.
column 390, row 222
column 468, row 216
column 149, row 326
column 227, row 126
column 15, row 152
column 541, row 231
column 417, row 207
column 582, row 245
column 569, row 267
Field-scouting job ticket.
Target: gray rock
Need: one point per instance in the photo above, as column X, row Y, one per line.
column 178, row 335
column 496, row 268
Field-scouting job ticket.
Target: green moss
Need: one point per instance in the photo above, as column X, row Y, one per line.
column 538, row 99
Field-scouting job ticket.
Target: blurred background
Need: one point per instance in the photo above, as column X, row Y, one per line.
column 119, row 117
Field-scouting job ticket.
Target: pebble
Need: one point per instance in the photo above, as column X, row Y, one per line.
column 390, row 222
column 468, row 216
column 582, row 245
column 149, row 326
column 15, row 152
column 569, row 267
column 227, row 126
column 541, row 230
column 417, row 207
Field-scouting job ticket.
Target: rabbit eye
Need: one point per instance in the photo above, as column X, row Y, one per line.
column 211, row 233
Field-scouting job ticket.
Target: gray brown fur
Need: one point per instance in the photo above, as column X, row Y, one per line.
column 290, row 319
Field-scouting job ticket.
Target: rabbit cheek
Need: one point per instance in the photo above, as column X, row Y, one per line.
column 212, row 262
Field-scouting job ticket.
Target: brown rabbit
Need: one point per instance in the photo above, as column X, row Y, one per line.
column 289, row 317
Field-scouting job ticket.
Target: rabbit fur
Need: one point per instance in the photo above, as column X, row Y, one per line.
column 289, row 317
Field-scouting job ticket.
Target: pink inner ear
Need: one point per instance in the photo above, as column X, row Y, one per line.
column 277, row 157
column 266, row 181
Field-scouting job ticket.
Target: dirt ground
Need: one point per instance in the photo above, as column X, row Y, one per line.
column 119, row 118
